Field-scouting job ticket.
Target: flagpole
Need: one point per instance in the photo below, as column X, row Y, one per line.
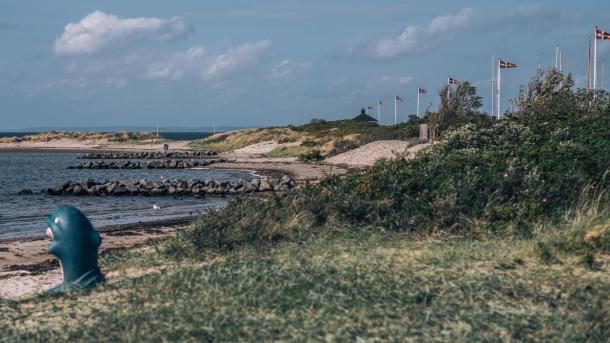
column 498, row 91
column 493, row 65
column 603, row 72
column 589, row 81
column 418, row 103
column 557, row 57
column 379, row 112
column 395, row 109
column 595, row 59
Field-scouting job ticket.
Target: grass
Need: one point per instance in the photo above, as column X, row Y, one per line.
column 114, row 137
column 290, row 151
column 342, row 287
column 228, row 141
column 329, row 138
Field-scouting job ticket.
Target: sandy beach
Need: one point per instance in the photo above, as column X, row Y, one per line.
column 27, row 268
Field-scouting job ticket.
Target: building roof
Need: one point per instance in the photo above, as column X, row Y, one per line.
column 364, row 117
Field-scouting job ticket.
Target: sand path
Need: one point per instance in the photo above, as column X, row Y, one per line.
column 368, row 154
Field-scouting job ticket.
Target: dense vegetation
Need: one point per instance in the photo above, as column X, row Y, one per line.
column 500, row 231
column 488, row 177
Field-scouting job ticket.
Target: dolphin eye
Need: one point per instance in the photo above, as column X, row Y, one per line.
column 56, row 221
column 49, row 233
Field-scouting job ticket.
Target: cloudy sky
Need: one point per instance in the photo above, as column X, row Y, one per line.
column 240, row 63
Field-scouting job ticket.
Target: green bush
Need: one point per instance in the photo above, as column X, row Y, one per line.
column 312, row 156
column 485, row 178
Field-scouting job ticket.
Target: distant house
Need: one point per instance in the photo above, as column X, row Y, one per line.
column 364, row 117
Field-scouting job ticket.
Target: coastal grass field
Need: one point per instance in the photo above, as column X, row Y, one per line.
column 349, row 285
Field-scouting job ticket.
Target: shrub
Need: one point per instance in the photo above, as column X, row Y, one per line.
column 485, row 178
column 312, row 156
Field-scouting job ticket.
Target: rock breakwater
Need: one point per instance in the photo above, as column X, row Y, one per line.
column 157, row 164
column 143, row 155
column 145, row 187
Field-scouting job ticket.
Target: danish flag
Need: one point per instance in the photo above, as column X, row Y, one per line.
column 421, row 91
column 600, row 34
column 398, row 98
column 506, row 65
column 452, row 81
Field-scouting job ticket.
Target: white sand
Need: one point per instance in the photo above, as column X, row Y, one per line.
column 368, row 154
column 262, row 148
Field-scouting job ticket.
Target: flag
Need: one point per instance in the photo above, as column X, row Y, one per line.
column 506, row 65
column 380, row 103
column 421, row 91
column 452, row 81
column 600, row 34
column 398, row 98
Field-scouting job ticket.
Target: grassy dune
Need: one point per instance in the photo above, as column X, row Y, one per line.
column 326, row 137
column 115, row 137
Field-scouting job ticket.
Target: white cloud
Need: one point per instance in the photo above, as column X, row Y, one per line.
column 175, row 65
column 288, row 68
column 446, row 28
column 387, row 80
column 99, row 31
column 417, row 38
column 235, row 59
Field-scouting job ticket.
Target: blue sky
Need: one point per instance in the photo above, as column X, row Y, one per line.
column 241, row 63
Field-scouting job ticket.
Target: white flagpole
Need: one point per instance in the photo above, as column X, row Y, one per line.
column 557, row 57
column 395, row 109
column 378, row 112
column 595, row 59
column 493, row 69
column 603, row 73
column 418, row 103
column 498, row 83
column 560, row 60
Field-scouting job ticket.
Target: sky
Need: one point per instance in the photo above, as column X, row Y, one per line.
column 260, row 63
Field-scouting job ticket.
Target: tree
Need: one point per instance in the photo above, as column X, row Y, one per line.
column 459, row 105
column 551, row 93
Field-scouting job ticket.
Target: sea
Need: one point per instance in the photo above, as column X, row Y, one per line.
column 23, row 215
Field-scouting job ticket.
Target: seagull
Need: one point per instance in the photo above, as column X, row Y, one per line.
column 156, row 207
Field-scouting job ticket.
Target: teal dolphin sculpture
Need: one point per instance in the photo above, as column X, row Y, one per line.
column 75, row 243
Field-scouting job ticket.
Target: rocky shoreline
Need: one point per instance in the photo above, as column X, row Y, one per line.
column 197, row 188
column 142, row 155
column 159, row 164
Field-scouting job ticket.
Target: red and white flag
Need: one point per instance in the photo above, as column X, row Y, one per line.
column 452, row 81
column 601, row 34
column 398, row 98
column 421, row 91
column 506, row 65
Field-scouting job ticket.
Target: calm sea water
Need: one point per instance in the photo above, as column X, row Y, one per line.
column 22, row 215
